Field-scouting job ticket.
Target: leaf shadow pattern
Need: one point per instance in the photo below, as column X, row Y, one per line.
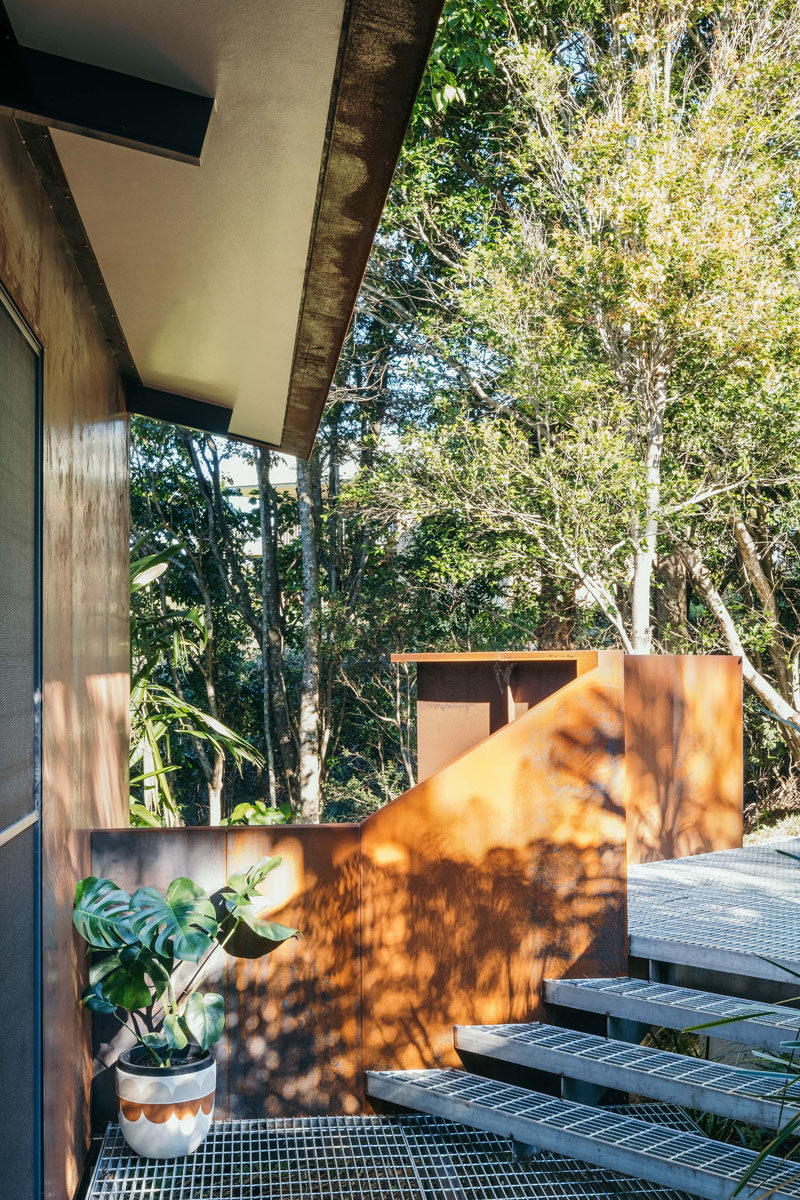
column 684, row 759
column 449, row 905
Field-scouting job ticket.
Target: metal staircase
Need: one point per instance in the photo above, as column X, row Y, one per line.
column 584, row 1069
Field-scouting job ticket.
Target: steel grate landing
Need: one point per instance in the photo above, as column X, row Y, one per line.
column 719, row 911
column 363, row 1158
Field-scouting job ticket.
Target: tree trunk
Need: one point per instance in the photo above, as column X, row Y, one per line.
column 404, row 721
column 644, row 561
column 213, row 768
column 556, row 629
column 755, row 573
column 309, row 806
column 275, row 704
column 261, row 462
column 766, row 692
column 671, row 604
column 215, row 786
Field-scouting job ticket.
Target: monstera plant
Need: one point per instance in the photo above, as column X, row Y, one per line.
column 141, row 945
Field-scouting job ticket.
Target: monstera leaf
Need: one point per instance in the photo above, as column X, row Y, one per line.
column 95, row 1001
column 244, row 903
column 204, row 1017
column 181, row 925
column 245, row 884
column 101, row 914
column 122, row 986
column 131, row 978
column 157, row 967
column 271, row 931
column 174, row 1032
column 154, row 1041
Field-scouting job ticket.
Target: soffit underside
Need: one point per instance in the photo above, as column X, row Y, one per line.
column 205, row 265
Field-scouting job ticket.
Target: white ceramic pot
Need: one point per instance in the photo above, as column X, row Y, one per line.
column 165, row 1112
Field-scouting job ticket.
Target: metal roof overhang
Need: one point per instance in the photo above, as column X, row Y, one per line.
column 219, row 168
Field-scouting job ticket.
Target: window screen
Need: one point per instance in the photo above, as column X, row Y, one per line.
column 18, row 396
column 20, row 1021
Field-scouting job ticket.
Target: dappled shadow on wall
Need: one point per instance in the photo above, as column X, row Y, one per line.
column 506, row 867
column 449, row 905
column 683, row 740
column 294, row 1015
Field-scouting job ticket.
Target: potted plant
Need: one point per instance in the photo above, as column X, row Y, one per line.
column 140, row 945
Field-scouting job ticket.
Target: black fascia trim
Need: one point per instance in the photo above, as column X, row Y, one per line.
column 177, row 410
column 108, row 105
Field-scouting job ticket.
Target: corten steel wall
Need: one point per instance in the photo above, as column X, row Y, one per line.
column 85, row 622
column 463, row 698
column 448, row 905
column 506, row 866
column 292, row 1043
column 683, row 755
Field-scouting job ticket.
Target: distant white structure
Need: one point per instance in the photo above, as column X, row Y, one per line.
column 242, row 485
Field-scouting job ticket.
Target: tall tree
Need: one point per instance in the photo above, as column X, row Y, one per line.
column 309, row 798
column 627, row 296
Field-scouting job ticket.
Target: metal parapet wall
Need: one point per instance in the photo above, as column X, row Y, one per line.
column 448, row 906
column 683, row 755
column 504, row 865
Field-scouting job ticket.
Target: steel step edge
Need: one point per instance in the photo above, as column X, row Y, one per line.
column 704, row 1168
column 712, row 1091
column 715, row 959
column 669, row 1006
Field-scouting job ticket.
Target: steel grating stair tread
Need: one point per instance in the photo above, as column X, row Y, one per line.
column 671, row 1158
column 671, row 1007
column 719, row 1088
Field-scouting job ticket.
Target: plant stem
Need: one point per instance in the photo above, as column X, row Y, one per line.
column 200, row 973
column 132, row 1029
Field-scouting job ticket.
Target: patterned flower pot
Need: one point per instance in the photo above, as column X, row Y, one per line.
column 165, row 1111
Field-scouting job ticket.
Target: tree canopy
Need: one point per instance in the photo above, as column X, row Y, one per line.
column 569, row 401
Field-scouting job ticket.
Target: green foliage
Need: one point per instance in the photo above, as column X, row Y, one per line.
column 588, row 278
column 141, row 942
column 241, row 895
column 165, row 640
column 354, row 789
column 575, row 352
column 204, row 1018
column 258, row 812
column 102, row 914
column 181, row 924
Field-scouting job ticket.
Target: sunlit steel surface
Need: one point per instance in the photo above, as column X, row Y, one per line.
column 328, row 1158
column 728, row 911
column 647, row 1002
column 617, row 1141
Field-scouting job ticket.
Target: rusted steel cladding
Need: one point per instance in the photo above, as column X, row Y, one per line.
column 295, row 1014
column 84, row 623
column 506, row 866
column 458, row 705
column 291, row 1045
column 463, row 700
column 683, row 755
